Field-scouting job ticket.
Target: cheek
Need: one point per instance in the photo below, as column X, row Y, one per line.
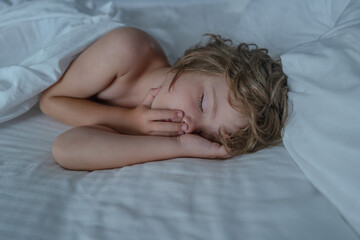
column 176, row 102
column 158, row 101
column 173, row 100
column 164, row 100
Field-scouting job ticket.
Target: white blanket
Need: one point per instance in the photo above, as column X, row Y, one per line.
column 37, row 48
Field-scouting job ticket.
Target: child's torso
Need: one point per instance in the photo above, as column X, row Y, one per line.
column 129, row 89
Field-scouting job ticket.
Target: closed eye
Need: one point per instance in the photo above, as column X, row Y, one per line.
column 200, row 103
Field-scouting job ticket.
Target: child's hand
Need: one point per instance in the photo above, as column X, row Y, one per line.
column 193, row 145
column 160, row 122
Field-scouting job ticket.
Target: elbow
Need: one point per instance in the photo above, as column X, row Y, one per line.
column 47, row 101
column 70, row 150
column 43, row 103
column 60, row 153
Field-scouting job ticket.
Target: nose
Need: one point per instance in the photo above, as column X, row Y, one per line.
column 190, row 123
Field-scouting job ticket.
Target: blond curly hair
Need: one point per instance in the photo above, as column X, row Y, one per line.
column 257, row 85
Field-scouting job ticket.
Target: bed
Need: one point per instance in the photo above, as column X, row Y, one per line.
column 304, row 188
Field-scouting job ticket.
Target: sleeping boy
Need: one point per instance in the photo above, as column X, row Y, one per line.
column 128, row 105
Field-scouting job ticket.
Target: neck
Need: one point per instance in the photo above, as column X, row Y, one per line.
column 161, row 77
column 154, row 79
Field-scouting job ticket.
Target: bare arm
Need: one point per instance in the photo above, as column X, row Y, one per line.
column 99, row 147
column 89, row 74
column 121, row 52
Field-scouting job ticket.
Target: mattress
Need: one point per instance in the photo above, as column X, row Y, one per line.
column 257, row 196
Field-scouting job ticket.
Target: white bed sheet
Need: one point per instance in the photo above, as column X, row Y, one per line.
column 258, row 196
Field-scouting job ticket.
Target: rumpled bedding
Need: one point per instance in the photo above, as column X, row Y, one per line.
column 323, row 135
column 37, row 48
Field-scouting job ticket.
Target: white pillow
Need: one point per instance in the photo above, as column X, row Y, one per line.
column 280, row 25
column 323, row 134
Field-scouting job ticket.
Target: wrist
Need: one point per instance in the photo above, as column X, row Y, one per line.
column 125, row 120
column 117, row 118
column 181, row 147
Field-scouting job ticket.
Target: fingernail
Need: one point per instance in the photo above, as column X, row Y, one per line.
column 184, row 127
column 180, row 132
column 179, row 114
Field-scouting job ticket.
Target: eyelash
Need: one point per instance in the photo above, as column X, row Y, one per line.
column 201, row 98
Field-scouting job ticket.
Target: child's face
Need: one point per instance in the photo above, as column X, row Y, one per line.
column 204, row 101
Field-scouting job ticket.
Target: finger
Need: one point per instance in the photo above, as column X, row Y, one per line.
column 168, row 127
column 167, row 134
column 150, row 96
column 178, row 119
column 169, row 115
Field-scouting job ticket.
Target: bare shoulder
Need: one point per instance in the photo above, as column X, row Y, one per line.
column 136, row 49
column 118, row 58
